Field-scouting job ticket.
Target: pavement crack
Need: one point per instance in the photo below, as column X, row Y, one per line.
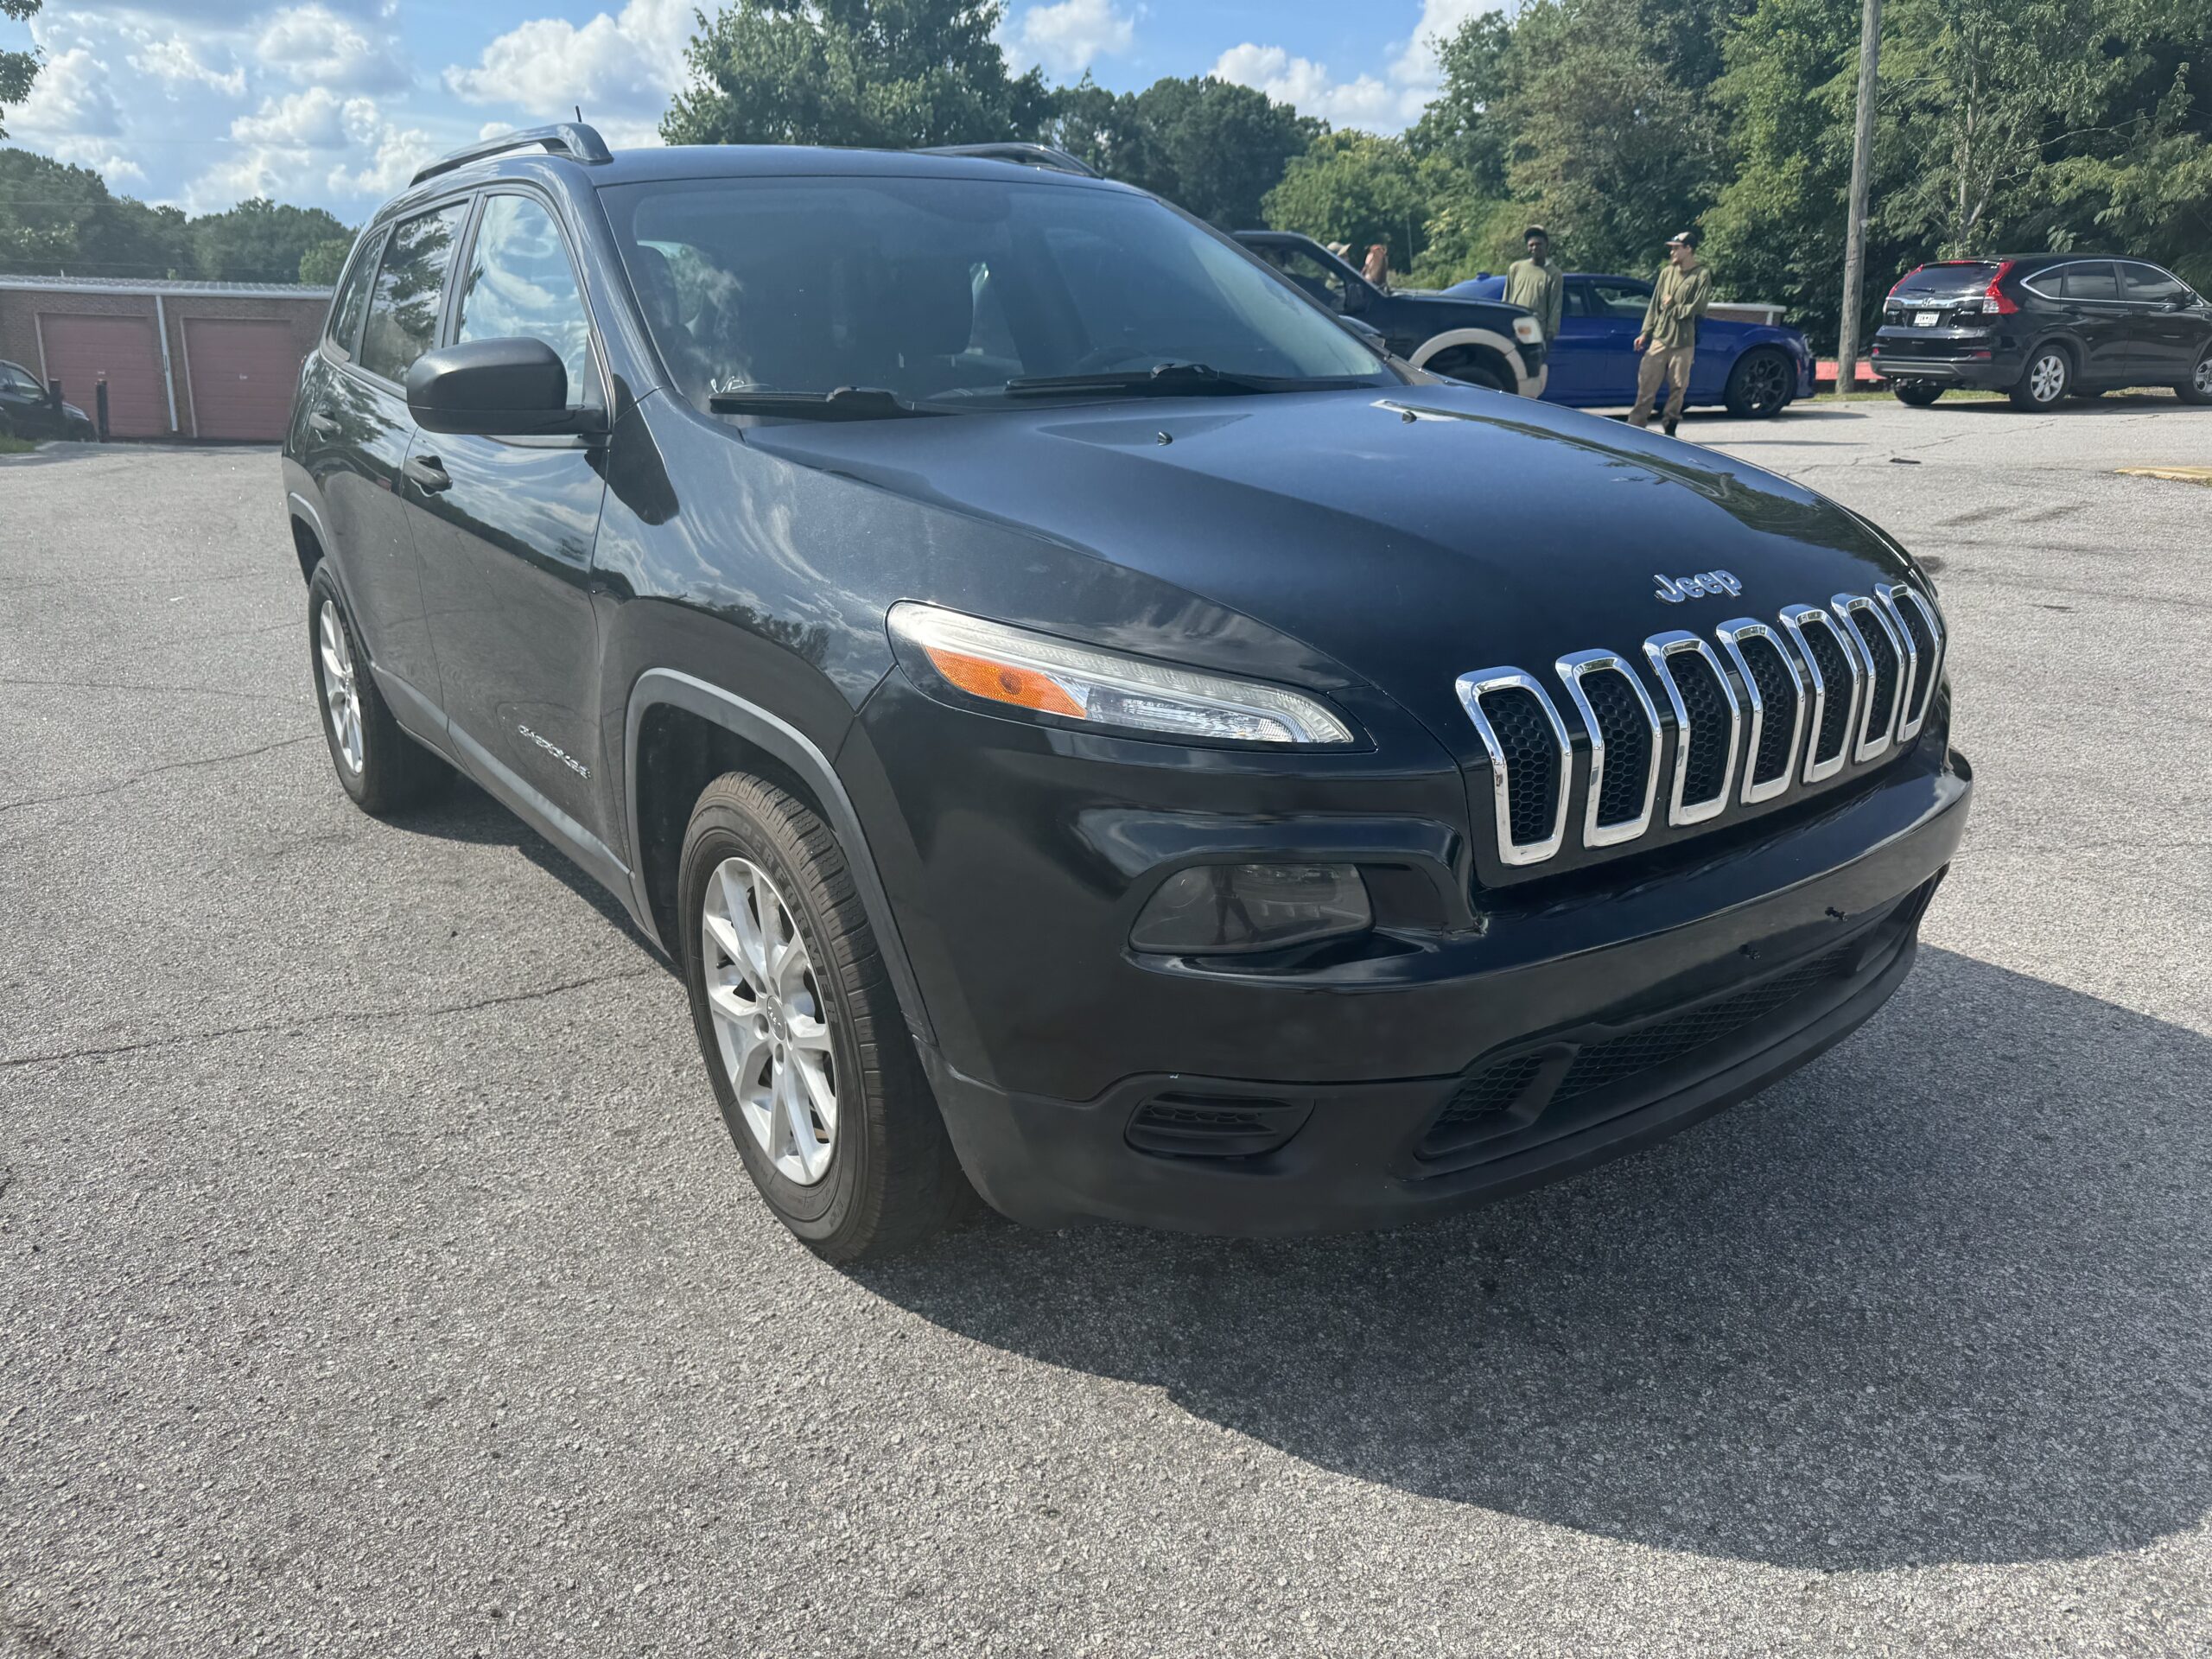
column 137, row 685
column 363, row 1016
column 155, row 772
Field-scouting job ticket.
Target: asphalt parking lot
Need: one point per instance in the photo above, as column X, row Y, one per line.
column 376, row 1279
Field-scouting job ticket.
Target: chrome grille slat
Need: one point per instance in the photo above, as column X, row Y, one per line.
column 1732, row 635
column 1572, row 670
column 1789, row 703
column 1662, row 648
column 1473, row 688
column 1851, row 609
column 1926, row 672
column 1797, row 620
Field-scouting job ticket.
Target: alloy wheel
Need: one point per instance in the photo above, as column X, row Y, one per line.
column 2202, row 378
column 771, row 1020
column 1767, row 381
column 341, row 697
column 2047, row 379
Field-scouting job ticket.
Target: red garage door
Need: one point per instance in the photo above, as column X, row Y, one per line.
column 243, row 373
column 80, row 350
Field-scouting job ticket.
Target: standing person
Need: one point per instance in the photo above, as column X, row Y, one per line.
column 1535, row 284
column 1377, row 269
column 1678, row 299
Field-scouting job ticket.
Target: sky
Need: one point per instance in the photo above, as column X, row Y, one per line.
column 334, row 102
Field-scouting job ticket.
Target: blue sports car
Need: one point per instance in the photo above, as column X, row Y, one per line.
column 1755, row 369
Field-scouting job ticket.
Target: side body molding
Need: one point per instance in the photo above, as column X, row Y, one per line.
column 799, row 751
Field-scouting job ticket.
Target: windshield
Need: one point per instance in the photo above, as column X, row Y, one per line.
column 944, row 291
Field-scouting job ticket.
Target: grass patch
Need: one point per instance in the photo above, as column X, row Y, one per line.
column 12, row 445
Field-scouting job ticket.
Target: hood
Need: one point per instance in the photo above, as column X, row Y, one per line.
column 1409, row 534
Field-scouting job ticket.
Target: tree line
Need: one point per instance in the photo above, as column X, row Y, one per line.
column 2003, row 125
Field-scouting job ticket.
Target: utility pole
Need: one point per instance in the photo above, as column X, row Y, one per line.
column 1855, row 231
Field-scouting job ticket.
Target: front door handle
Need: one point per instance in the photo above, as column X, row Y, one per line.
column 322, row 425
column 429, row 474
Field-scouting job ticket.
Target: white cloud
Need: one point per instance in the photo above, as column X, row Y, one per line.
column 312, row 45
column 622, row 69
column 1066, row 38
column 1440, row 19
column 70, row 100
column 314, row 144
column 1363, row 101
column 175, row 63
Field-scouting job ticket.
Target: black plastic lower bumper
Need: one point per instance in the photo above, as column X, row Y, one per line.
column 1757, row 990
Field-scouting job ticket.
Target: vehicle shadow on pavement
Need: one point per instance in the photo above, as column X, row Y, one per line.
column 466, row 813
column 1941, row 1298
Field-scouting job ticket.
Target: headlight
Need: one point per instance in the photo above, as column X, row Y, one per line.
column 1528, row 331
column 1105, row 688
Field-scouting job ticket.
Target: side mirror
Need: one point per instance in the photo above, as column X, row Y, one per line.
column 493, row 388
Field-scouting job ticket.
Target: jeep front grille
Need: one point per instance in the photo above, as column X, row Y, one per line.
column 1778, row 707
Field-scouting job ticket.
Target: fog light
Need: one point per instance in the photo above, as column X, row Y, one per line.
column 1227, row 909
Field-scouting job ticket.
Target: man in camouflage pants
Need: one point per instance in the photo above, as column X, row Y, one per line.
column 1669, row 341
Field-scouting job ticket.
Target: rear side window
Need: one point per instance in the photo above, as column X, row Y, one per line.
column 1951, row 280
column 404, row 311
column 2148, row 285
column 521, row 286
column 1619, row 299
column 2089, row 282
column 354, row 297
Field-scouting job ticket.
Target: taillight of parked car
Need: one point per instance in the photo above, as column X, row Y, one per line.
column 1994, row 298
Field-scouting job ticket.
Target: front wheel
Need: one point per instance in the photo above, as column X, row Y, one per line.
column 2197, row 388
column 1759, row 385
column 1471, row 371
column 2046, row 380
column 816, row 1078
column 1918, row 396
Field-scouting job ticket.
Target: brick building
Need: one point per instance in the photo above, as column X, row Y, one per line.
column 181, row 360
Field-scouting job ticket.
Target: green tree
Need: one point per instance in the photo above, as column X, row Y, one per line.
column 882, row 74
column 55, row 217
column 321, row 264
column 260, row 241
column 1213, row 147
column 1356, row 188
column 17, row 69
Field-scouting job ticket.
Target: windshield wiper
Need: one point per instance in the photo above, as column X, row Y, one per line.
column 844, row 403
column 1166, row 378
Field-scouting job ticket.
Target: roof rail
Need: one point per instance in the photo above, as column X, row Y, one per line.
column 1021, row 154
column 570, row 138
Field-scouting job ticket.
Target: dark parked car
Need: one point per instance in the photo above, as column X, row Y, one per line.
column 2043, row 326
column 1482, row 342
column 27, row 412
column 1755, row 369
column 1082, row 723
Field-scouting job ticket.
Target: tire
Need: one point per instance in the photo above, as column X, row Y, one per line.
column 2046, row 380
column 380, row 766
column 875, row 1173
column 1759, row 385
column 1918, row 396
column 2197, row 388
column 1470, row 371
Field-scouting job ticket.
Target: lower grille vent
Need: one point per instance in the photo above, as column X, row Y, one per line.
column 1214, row 1126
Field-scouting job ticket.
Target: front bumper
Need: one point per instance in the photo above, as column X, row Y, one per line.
column 1080, row 1080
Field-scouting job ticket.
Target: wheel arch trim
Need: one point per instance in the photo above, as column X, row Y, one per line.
column 1437, row 345
column 657, row 687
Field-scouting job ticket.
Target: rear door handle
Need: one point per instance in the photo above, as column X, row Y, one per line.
column 428, row 472
column 322, row 425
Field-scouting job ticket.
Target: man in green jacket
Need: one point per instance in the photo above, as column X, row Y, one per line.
column 1669, row 341
column 1535, row 284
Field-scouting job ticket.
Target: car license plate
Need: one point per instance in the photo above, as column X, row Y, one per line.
column 1925, row 319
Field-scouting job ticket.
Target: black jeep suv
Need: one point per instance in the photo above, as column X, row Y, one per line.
column 1088, row 728
column 1482, row 342
column 2043, row 328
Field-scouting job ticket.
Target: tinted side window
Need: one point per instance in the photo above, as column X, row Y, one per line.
column 2090, row 282
column 404, row 312
column 521, row 286
column 2148, row 285
column 17, row 379
column 1619, row 299
column 354, row 297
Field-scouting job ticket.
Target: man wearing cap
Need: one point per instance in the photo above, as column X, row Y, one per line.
column 1669, row 339
column 1535, row 284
